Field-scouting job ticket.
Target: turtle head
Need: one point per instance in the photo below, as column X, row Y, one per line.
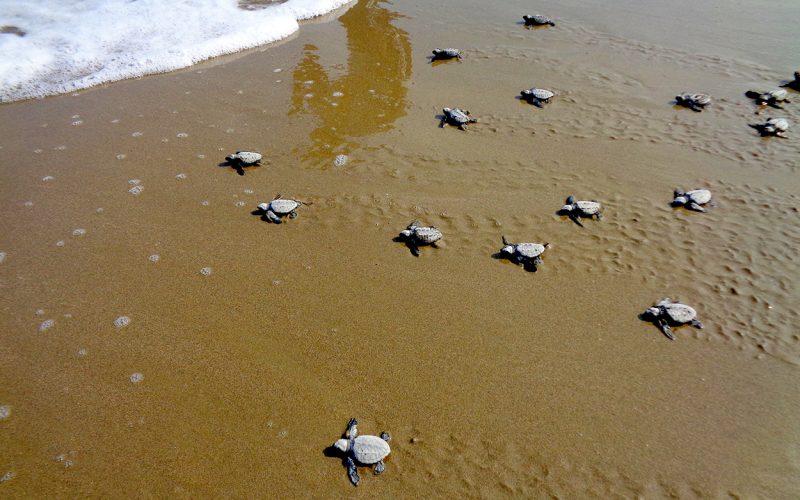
column 342, row 445
column 405, row 233
column 508, row 249
column 651, row 313
column 436, row 52
column 445, row 110
column 263, row 206
column 566, row 208
column 680, row 200
column 232, row 157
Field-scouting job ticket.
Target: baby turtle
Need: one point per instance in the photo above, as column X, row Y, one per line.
column 771, row 98
column 245, row 158
column 362, row 450
column 537, row 96
column 695, row 102
column 537, row 20
column 527, row 254
column 693, row 200
column 416, row 235
column 577, row 209
column 773, row 126
column 280, row 207
column 795, row 84
column 457, row 117
column 449, row 53
column 666, row 313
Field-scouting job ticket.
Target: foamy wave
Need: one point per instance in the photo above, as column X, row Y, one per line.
column 51, row 46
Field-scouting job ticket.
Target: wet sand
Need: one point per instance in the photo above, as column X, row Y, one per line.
column 493, row 381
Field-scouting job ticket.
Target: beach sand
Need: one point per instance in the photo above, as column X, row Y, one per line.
column 492, row 381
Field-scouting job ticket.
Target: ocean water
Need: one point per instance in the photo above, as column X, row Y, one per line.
column 50, row 47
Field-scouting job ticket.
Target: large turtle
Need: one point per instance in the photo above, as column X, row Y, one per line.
column 245, row 158
column 773, row 126
column 667, row 312
column 581, row 208
column 416, row 235
column 527, row 254
column 537, row 96
column 362, row 450
column 280, row 207
column 537, row 20
column 449, row 53
column 457, row 117
column 772, row 97
column 695, row 102
column 693, row 199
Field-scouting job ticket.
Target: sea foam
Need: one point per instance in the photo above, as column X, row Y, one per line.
column 62, row 46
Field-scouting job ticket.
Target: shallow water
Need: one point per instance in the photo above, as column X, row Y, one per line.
column 246, row 346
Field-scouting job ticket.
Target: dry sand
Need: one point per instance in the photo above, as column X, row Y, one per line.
column 492, row 380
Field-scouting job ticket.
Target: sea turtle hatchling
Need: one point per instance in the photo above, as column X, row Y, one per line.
column 527, row 254
column 416, row 235
column 362, row 450
column 449, row 53
column 695, row 102
column 771, row 98
column 280, row 207
column 457, row 117
column 245, row 158
column 774, row 126
column 537, row 96
column 537, row 20
column 667, row 312
column 693, row 199
column 581, row 208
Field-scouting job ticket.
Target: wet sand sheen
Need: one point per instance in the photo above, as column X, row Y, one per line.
column 510, row 383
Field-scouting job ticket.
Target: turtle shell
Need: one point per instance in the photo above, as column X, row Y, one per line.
column 779, row 124
column 282, row 207
column 680, row 313
column 588, row 207
column 699, row 196
column 776, row 95
column 448, row 52
column 427, row 234
column 370, row 449
column 246, row 156
column 541, row 94
column 529, row 250
column 537, row 19
column 457, row 115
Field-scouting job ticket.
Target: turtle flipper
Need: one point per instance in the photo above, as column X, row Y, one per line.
column 379, row 468
column 352, row 471
column 292, row 214
column 574, row 218
column 273, row 217
column 662, row 323
column 695, row 323
column 352, row 429
column 412, row 245
column 694, row 206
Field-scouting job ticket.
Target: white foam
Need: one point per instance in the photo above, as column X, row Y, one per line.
column 74, row 45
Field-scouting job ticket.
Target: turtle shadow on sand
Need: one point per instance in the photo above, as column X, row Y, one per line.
column 527, row 265
column 237, row 166
column 435, row 61
column 442, row 119
column 412, row 246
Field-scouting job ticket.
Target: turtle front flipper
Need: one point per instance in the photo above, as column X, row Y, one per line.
column 694, row 206
column 352, row 429
column 412, row 245
column 273, row 217
column 352, row 470
column 379, row 467
column 695, row 323
column 574, row 218
column 662, row 323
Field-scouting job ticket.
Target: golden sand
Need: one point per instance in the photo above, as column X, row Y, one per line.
column 493, row 381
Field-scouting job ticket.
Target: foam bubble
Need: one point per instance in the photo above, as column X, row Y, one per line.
column 182, row 135
column 136, row 377
column 46, row 325
column 62, row 459
column 60, row 243
column 154, row 258
column 79, row 232
column 181, row 176
column 40, row 312
column 3, row 256
column 206, row 271
column 122, row 321
column 82, row 352
column 48, row 178
column 66, row 47
column 136, row 190
column 340, row 160
column 121, row 156
column 137, row 134
column 5, row 412
column 8, row 476
column 77, row 122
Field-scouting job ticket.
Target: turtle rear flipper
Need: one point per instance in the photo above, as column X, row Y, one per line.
column 352, row 470
column 379, row 468
column 662, row 323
